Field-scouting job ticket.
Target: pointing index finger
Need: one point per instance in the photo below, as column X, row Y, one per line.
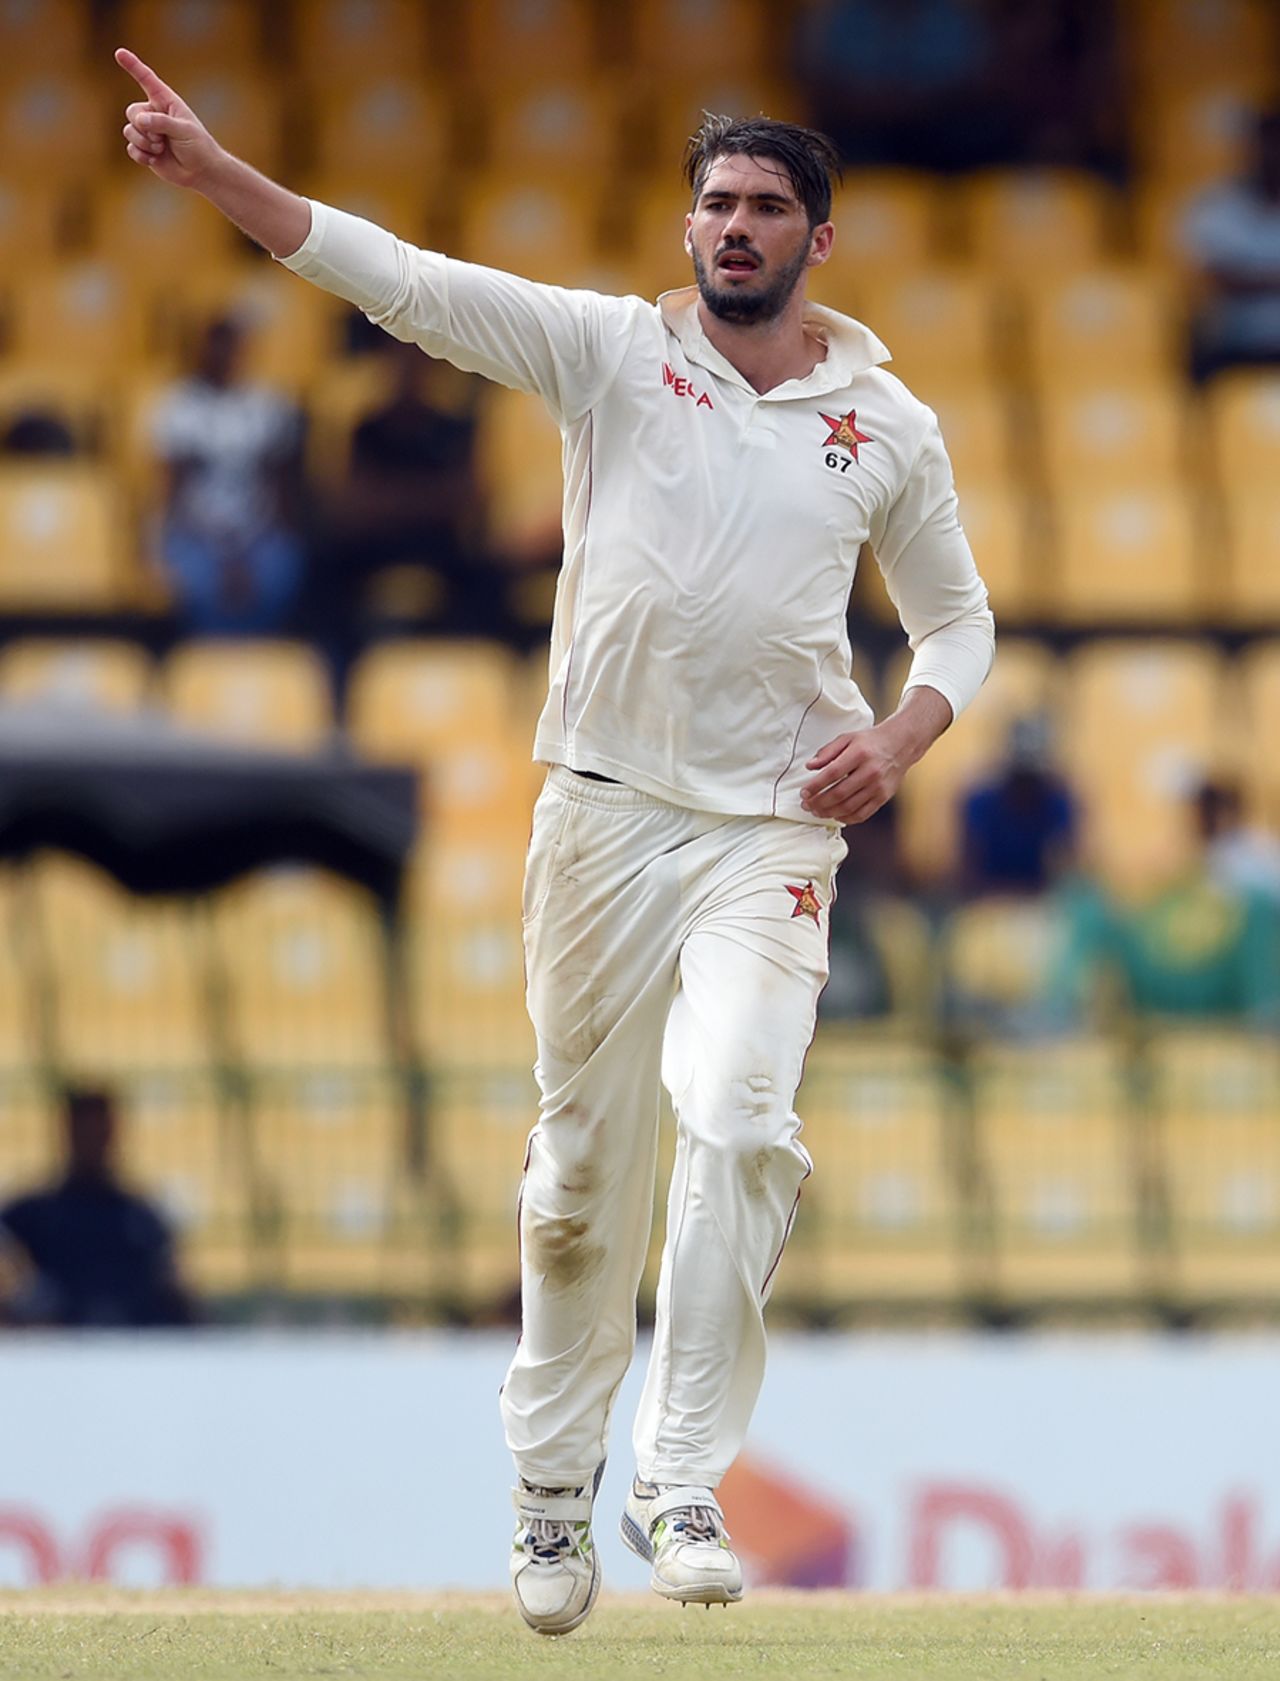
column 143, row 75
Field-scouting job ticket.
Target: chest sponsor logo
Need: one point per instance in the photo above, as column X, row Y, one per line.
column 843, row 433
column 683, row 387
column 807, row 902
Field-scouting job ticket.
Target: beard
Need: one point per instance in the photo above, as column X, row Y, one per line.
column 744, row 308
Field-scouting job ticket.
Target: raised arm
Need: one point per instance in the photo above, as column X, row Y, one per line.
column 164, row 135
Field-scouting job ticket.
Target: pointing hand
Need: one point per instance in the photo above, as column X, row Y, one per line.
column 163, row 132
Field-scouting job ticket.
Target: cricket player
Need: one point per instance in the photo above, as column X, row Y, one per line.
column 728, row 451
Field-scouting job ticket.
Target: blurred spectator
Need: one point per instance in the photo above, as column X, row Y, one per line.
column 1232, row 233
column 1201, row 949
column 1238, row 856
column 1018, row 828
column 89, row 1252
column 962, row 84
column 230, row 534
column 403, row 524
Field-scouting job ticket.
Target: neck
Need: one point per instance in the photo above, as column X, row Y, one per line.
column 766, row 353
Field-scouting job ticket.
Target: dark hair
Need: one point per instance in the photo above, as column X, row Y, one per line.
column 809, row 158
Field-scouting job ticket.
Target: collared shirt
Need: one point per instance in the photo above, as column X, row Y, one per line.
column 699, row 649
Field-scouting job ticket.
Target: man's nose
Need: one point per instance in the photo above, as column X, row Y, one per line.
column 738, row 225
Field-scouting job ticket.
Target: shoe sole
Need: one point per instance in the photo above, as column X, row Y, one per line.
column 708, row 1593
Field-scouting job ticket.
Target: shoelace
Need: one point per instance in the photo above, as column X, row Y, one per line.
column 547, row 1538
column 695, row 1523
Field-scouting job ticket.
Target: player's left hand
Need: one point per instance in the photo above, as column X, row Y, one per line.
column 857, row 773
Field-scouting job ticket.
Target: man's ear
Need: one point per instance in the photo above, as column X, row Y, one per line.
column 688, row 229
column 820, row 242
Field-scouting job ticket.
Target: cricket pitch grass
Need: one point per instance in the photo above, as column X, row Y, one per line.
column 108, row 1635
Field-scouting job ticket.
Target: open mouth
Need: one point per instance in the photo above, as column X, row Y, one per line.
column 737, row 262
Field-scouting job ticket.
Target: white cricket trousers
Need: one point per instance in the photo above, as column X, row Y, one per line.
column 677, row 947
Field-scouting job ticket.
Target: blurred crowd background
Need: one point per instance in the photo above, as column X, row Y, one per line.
column 1047, row 1077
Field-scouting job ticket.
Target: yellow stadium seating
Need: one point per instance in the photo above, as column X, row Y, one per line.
column 330, row 1153
column 1006, row 543
column 1127, row 556
column 1200, row 134
column 1113, row 434
column 542, row 126
column 92, row 674
column 180, row 37
column 998, row 955
column 978, row 428
column 519, row 453
column 512, row 43
column 401, row 125
column 1217, row 1096
column 55, row 129
column 22, row 983
column 243, row 108
column 83, row 399
column 662, row 117
column 1023, row 680
column 32, row 226
column 268, row 694
column 30, row 1140
column 940, row 325
column 1247, row 590
column 1141, row 723
column 181, row 1148
column 1244, row 419
column 467, row 992
column 1101, row 326
column 394, row 201
column 1040, row 222
column 89, row 314
column 879, row 1220
column 542, row 229
column 1258, row 768
column 1185, row 41
column 363, row 38
column 1058, row 1145
column 43, row 35
column 412, row 700
column 683, row 41
column 142, row 223
column 301, row 959
column 128, row 974
column 292, row 328
column 61, row 539
column 478, row 1130
column 884, row 219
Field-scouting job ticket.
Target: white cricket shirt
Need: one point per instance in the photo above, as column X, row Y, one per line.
column 699, row 650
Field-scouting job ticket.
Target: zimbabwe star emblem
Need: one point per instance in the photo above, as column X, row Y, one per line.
column 807, row 902
column 844, row 432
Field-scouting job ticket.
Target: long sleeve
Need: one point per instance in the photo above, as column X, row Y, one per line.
column 564, row 345
column 932, row 580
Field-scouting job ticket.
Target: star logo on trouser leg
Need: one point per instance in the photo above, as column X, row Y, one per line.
column 807, row 902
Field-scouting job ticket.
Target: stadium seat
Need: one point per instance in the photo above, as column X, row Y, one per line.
column 89, row 674
column 61, row 539
column 1247, row 590
column 479, row 1125
column 1023, row 681
column 1006, row 541
column 81, row 399
column 879, row 1220
column 467, row 984
column 940, row 325
column 243, row 108
column 55, row 128
column 884, row 220
column 186, row 37
column 267, row 694
column 1100, row 327
column 367, row 38
column 510, row 44
column 1142, row 723
column 300, row 958
column 88, row 314
column 1037, row 221
column 541, row 229
column 141, row 222
column 128, row 974
column 1259, row 667
column 33, row 226
column 979, row 429
column 292, row 328
column 665, row 113
column 412, row 700
column 1127, row 556
column 685, row 40
column 1057, row 1147
column 185, row 1151
column 1112, row 435
column 542, row 127
column 1243, row 409
column 519, row 462
column 331, row 1155
column 999, row 956
column 48, row 36
column 396, row 202
column 1185, row 41
column 23, row 987
column 399, row 122
column 1216, row 1096
column 30, row 1140
column 1196, row 135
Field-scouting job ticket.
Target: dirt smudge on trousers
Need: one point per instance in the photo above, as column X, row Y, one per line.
column 755, row 1173
column 560, row 1248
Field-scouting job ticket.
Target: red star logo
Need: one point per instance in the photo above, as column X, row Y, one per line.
column 844, row 431
column 807, row 902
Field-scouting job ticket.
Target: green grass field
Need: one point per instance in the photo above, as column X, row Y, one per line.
column 111, row 1636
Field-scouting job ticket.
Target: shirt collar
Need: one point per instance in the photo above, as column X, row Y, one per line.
column 851, row 347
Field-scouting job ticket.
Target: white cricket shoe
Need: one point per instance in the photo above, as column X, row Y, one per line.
column 680, row 1531
column 554, row 1568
